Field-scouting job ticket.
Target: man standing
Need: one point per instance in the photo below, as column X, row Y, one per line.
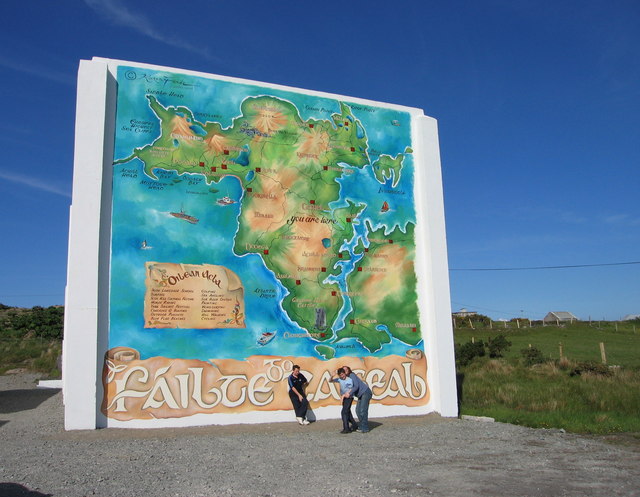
column 346, row 386
column 362, row 391
column 297, row 383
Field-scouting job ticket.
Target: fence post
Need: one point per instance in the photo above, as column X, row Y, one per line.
column 603, row 353
column 561, row 350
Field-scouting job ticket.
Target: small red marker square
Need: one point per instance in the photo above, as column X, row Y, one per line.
column 298, row 282
column 202, row 164
column 339, row 256
column 334, row 293
column 348, row 219
column 366, row 250
column 322, row 335
column 352, row 321
column 258, row 169
column 390, row 241
column 311, row 125
column 249, row 189
column 324, row 269
column 353, row 149
column 214, row 169
column 312, row 202
column 223, row 166
column 414, row 329
column 346, row 123
column 226, row 152
column 266, row 251
column 360, row 269
column 326, row 168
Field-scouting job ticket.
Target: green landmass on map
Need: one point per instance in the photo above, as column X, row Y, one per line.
column 288, row 168
column 326, row 352
column 387, row 167
column 386, row 290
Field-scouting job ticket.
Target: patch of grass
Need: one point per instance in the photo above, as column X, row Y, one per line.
column 548, row 396
column 33, row 354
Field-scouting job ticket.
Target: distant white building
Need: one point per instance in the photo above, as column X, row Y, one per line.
column 558, row 317
column 630, row 317
column 463, row 313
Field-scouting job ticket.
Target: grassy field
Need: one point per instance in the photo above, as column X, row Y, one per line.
column 576, row 392
column 580, row 341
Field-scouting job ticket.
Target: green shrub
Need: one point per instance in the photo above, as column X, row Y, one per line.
column 590, row 367
column 532, row 355
column 467, row 352
column 497, row 346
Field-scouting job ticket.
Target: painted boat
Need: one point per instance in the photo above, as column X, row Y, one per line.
column 186, row 217
column 266, row 337
column 226, row 201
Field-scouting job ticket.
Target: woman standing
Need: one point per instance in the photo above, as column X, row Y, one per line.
column 297, row 383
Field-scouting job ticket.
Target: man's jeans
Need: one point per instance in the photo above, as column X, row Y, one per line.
column 362, row 411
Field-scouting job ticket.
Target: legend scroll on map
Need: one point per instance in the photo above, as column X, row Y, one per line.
column 192, row 296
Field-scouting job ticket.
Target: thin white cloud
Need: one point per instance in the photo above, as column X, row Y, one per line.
column 119, row 14
column 621, row 220
column 36, row 183
column 39, row 71
column 511, row 243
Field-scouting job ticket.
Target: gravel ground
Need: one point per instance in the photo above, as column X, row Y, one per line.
column 426, row 455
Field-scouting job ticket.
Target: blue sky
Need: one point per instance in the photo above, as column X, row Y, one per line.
column 538, row 106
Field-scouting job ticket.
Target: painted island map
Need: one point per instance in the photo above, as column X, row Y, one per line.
column 254, row 221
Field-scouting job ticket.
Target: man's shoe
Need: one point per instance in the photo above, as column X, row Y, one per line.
column 300, row 421
column 344, row 432
column 305, row 421
column 362, row 431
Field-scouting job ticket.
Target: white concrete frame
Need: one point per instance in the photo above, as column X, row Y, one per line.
column 87, row 293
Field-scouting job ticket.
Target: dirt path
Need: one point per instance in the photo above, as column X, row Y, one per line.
column 425, row 455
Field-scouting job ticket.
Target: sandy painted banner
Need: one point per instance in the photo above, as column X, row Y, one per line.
column 160, row 387
column 193, row 296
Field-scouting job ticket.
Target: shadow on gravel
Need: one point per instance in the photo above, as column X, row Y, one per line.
column 374, row 424
column 16, row 490
column 23, row 400
column 459, row 384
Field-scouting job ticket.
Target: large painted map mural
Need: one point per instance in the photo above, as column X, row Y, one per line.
column 254, row 228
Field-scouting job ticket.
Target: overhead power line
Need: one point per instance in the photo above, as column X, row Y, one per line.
column 543, row 267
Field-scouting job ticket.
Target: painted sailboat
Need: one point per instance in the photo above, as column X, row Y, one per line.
column 186, row 217
column 145, row 246
column 385, row 207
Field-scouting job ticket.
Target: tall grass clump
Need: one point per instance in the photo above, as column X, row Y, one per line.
column 34, row 354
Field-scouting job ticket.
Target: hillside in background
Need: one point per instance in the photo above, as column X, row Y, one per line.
column 31, row 339
column 37, row 322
